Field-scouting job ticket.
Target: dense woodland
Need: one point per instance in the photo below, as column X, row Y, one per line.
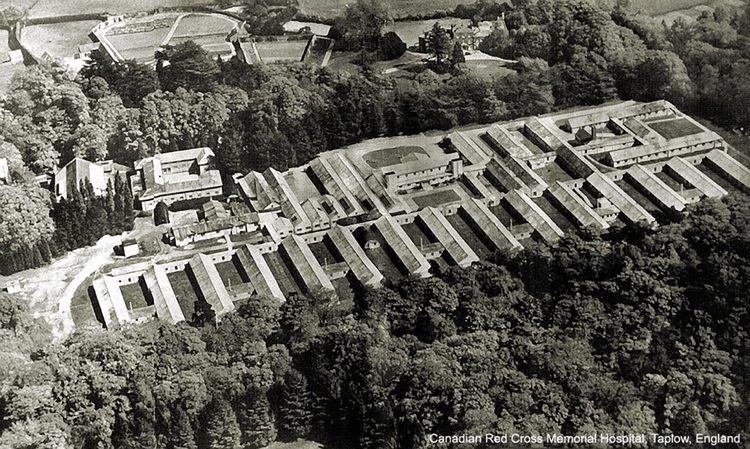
column 636, row 331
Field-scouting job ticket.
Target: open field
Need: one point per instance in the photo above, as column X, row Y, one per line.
column 653, row 8
column 49, row 8
column 60, row 40
column 399, row 8
column 670, row 10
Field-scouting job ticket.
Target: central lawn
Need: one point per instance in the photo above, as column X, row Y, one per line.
column 391, row 156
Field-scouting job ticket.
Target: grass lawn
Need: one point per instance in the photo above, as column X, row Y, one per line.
column 184, row 291
column 671, row 182
column 323, row 253
column 60, row 40
column 489, row 68
column 506, row 216
column 82, row 305
column 281, row 51
column 135, row 295
column 399, row 8
column 672, row 129
column 382, row 257
column 553, row 172
column 229, row 273
column 139, row 46
column 417, row 235
column 391, row 156
column 299, row 444
column 437, row 198
column 717, row 178
column 639, row 198
column 204, row 24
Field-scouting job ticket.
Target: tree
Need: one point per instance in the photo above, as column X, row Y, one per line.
column 203, row 313
column 24, row 225
column 361, row 26
column 190, row 67
column 222, row 430
column 457, row 56
column 585, row 80
column 161, row 213
column 135, row 81
column 439, row 43
column 295, row 415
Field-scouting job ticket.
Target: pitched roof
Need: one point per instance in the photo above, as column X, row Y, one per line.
column 454, row 244
column 362, row 267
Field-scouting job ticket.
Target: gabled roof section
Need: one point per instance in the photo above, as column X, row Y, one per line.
column 305, row 263
column 630, row 209
column 534, row 215
column 211, row 286
column 458, row 250
column 361, row 266
column 407, row 252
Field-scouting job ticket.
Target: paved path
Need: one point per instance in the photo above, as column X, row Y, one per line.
column 172, row 30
